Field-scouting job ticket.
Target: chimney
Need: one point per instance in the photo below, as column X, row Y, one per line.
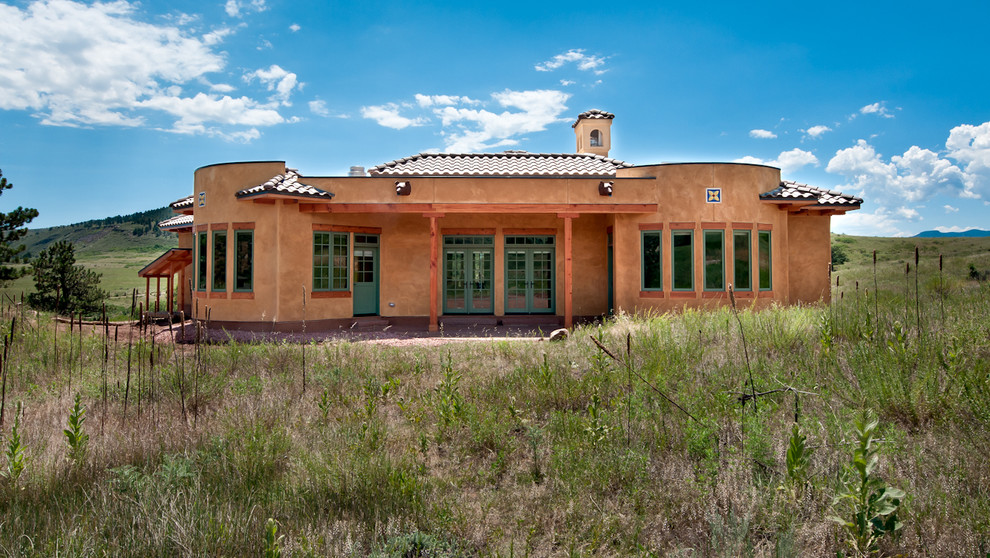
column 356, row 171
column 593, row 131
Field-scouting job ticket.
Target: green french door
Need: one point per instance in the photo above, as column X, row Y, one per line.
column 467, row 274
column 365, row 274
column 529, row 274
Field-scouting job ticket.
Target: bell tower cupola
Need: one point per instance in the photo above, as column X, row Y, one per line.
column 594, row 132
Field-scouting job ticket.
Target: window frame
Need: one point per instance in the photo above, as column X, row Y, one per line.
column 705, row 255
column 237, row 254
column 673, row 259
column 202, row 257
column 333, row 276
column 214, row 276
column 643, row 260
column 595, row 138
column 736, row 259
column 769, row 260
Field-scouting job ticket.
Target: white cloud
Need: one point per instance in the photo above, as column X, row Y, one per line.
column 388, row 115
column 881, row 222
column 762, row 134
column 234, row 7
column 78, row 64
column 879, row 108
column 954, row 229
column 426, row 101
column 970, row 145
column 319, row 108
column 949, row 209
column 817, row 131
column 908, row 213
column 566, row 82
column 477, row 130
column 294, row 27
column 194, row 112
column 916, row 175
column 280, row 81
column 787, row 161
column 583, row 61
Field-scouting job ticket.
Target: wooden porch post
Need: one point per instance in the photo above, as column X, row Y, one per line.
column 182, row 290
column 147, row 292
column 568, row 269
column 168, row 289
column 434, row 255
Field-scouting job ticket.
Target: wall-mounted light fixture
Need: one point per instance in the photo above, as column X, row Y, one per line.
column 605, row 188
column 403, row 188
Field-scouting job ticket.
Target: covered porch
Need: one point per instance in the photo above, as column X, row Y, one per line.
column 170, row 266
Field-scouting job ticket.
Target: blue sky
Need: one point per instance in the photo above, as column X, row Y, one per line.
column 108, row 108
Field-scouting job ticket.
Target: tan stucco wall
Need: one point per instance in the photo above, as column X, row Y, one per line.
column 283, row 237
column 681, row 194
column 808, row 265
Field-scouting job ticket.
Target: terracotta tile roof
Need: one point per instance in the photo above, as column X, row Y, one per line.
column 176, row 222
column 507, row 163
column 793, row 191
column 593, row 114
column 288, row 184
column 184, row 203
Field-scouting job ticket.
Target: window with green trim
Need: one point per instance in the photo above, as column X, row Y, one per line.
column 202, row 245
column 652, row 261
column 219, row 261
column 243, row 260
column 714, row 260
column 742, row 269
column 330, row 261
column 766, row 263
column 682, row 260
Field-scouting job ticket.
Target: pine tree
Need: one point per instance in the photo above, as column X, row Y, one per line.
column 12, row 229
column 63, row 286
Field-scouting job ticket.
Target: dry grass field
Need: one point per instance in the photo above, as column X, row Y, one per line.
column 639, row 436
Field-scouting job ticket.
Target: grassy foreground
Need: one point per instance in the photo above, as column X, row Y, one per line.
column 515, row 448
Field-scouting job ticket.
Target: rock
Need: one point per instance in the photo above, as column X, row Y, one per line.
column 558, row 334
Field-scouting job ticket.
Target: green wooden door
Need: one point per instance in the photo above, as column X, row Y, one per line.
column 365, row 279
column 529, row 280
column 467, row 275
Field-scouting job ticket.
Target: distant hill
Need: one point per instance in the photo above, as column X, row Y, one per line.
column 972, row 233
column 137, row 231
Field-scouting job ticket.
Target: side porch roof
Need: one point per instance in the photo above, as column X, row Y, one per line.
column 168, row 264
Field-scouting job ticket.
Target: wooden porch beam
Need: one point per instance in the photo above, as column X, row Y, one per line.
column 478, row 208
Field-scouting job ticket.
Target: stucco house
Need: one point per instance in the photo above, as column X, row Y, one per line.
column 495, row 237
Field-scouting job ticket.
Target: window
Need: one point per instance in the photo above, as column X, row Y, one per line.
column 714, row 260
column 596, row 138
column 742, row 271
column 330, row 261
column 219, row 261
column 763, row 241
column 201, row 250
column 243, row 260
column 682, row 258
column 652, row 263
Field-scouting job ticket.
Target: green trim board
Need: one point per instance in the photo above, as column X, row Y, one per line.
column 682, row 260
column 243, row 260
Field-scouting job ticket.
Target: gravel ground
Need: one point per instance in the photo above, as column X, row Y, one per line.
column 390, row 336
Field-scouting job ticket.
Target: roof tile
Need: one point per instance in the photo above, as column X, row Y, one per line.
column 287, row 183
column 507, row 163
column 176, row 222
column 789, row 190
